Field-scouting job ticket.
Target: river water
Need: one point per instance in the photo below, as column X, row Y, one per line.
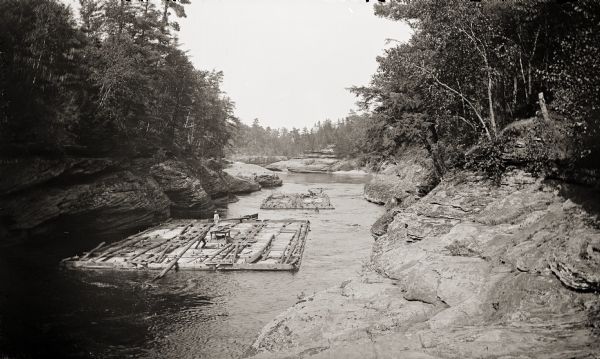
column 50, row 312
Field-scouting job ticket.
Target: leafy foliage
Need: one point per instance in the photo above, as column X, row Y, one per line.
column 115, row 84
column 346, row 136
column 471, row 69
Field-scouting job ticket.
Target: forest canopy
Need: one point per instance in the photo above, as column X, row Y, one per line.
column 472, row 69
column 112, row 82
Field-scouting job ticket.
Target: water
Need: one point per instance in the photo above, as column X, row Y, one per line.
column 49, row 312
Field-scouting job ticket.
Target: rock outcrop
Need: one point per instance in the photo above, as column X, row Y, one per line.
column 402, row 183
column 44, row 196
column 472, row 269
column 188, row 198
column 112, row 203
column 258, row 160
column 265, row 178
column 312, row 165
column 20, row 174
column 220, row 184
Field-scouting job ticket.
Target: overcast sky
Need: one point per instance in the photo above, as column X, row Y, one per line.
column 288, row 62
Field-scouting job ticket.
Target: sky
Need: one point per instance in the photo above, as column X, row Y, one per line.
column 288, row 62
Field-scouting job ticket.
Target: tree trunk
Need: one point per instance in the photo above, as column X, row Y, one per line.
column 491, row 105
column 543, row 107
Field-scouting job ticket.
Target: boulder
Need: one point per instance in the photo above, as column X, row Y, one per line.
column 265, row 178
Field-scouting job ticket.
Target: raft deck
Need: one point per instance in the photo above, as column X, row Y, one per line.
column 230, row 245
column 314, row 199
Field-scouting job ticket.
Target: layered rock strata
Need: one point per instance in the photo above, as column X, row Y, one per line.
column 471, row 270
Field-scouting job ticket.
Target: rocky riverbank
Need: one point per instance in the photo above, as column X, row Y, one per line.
column 404, row 181
column 257, row 159
column 316, row 165
column 472, row 269
column 107, row 196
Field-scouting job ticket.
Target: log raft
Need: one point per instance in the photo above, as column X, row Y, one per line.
column 272, row 245
column 316, row 199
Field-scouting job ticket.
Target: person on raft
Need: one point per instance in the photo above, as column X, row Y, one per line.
column 216, row 218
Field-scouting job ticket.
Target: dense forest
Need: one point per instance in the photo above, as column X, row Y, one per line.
column 112, row 82
column 470, row 74
column 347, row 135
column 474, row 68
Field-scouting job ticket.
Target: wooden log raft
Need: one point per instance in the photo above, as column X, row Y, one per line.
column 258, row 245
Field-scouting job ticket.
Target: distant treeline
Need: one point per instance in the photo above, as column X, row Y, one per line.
column 347, row 135
column 113, row 82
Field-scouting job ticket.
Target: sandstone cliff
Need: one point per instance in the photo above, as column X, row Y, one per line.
column 41, row 197
column 472, row 269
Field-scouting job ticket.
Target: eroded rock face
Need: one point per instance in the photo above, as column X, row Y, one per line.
column 265, row 178
column 219, row 184
column 112, row 203
column 404, row 182
column 21, row 174
column 470, row 270
column 188, row 198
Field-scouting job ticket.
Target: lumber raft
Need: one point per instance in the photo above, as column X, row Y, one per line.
column 263, row 245
column 315, row 199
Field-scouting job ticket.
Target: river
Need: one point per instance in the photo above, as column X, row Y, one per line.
column 50, row 312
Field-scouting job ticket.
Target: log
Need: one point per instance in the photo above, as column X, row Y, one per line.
column 303, row 235
column 284, row 257
column 132, row 241
column 173, row 262
column 179, row 236
column 259, row 253
column 93, row 250
column 149, row 249
column 210, row 257
column 244, row 241
column 108, row 253
column 163, row 253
